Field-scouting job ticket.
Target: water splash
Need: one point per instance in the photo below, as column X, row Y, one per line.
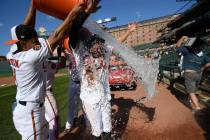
column 146, row 69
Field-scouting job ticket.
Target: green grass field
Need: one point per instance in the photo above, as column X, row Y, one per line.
column 5, row 74
column 7, row 97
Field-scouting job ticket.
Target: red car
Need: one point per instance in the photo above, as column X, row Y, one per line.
column 122, row 76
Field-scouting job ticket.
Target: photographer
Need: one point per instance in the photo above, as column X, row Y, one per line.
column 194, row 62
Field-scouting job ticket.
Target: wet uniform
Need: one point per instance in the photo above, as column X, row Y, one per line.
column 96, row 98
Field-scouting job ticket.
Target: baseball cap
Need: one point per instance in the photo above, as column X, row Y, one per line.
column 21, row 32
column 93, row 39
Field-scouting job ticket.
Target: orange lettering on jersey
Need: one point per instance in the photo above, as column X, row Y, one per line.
column 14, row 62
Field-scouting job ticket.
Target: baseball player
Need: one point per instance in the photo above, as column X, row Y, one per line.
column 27, row 63
column 95, row 91
column 75, row 76
column 73, row 90
column 79, row 52
column 95, row 98
column 51, row 109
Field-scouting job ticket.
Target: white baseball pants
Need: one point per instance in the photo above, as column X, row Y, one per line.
column 99, row 116
column 51, row 115
column 29, row 121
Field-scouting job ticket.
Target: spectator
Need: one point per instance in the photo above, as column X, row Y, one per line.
column 194, row 62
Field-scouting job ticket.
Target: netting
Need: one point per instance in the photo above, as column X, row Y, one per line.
column 146, row 69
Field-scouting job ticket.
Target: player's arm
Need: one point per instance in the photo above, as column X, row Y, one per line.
column 206, row 62
column 66, row 26
column 30, row 18
column 73, row 34
column 63, row 29
column 206, row 66
column 131, row 27
column 181, row 41
column 92, row 7
column 180, row 48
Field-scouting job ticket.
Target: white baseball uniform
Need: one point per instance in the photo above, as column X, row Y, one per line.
column 51, row 110
column 96, row 98
column 28, row 110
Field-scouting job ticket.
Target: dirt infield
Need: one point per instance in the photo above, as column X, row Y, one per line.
column 162, row 118
column 7, row 81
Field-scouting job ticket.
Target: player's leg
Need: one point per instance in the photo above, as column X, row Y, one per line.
column 29, row 121
column 106, row 119
column 78, row 104
column 93, row 113
column 73, row 101
column 51, row 115
column 191, row 79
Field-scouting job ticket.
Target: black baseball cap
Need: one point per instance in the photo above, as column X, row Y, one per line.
column 94, row 39
column 21, row 32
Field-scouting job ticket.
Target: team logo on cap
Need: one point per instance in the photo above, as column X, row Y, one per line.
column 37, row 47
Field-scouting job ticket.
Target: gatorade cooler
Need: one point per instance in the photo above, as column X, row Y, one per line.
column 56, row 8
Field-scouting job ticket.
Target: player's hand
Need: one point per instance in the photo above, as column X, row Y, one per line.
column 92, row 6
column 202, row 69
column 184, row 39
column 132, row 27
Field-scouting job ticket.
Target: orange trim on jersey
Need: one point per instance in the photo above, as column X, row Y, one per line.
column 48, row 46
column 51, row 105
column 33, row 123
column 14, row 74
column 55, row 118
column 66, row 45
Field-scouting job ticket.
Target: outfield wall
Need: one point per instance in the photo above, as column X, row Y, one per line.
column 5, row 68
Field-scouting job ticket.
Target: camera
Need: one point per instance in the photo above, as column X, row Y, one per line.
column 190, row 41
